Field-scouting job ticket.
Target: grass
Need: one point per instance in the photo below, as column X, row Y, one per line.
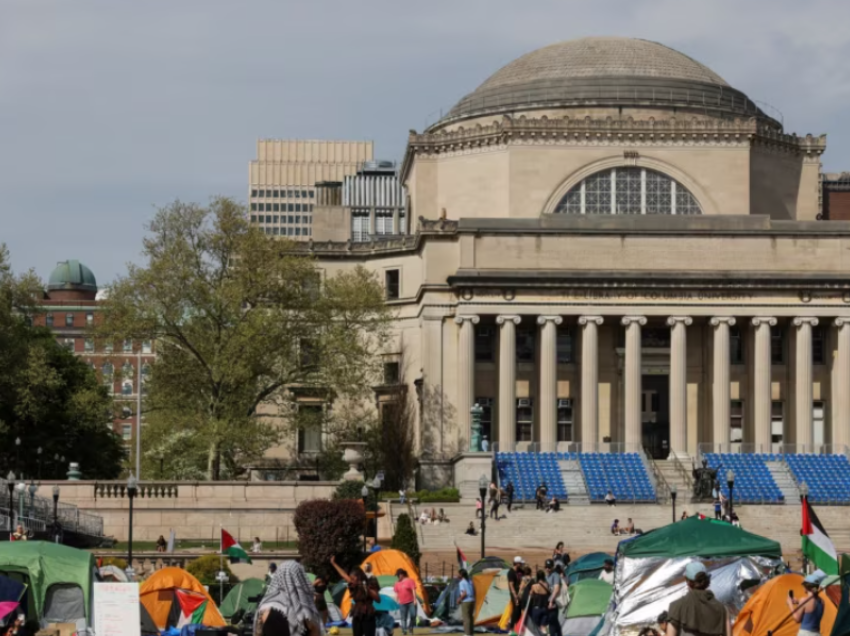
column 196, row 544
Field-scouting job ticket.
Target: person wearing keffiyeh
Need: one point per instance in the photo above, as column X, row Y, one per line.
column 288, row 607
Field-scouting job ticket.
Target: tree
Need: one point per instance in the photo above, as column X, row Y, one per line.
column 49, row 398
column 329, row 529
column 241, row 321
column 405, row 538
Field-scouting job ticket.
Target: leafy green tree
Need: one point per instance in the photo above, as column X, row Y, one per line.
column 405, row 538
column 240, row 319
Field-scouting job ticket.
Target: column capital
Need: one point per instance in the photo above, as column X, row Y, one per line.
column 584, row 320
column 841, row 322
column 542, row 320
column 767, row 320
column 804, row 320
column 687, row 320
column 721, row 320
column 628, row 320
column 473, row 319
column 501, row 320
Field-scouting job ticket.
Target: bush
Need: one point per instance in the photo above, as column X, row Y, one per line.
column 354, row 490
column 206, row 567
column 118, row 562
column 329, row 528
column 444, row 495
column 405, row 539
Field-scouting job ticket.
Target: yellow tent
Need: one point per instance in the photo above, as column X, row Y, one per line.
column 157, row 595
column 386, row 562
column 767, row 608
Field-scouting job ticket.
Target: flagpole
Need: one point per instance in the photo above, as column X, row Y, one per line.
column 220, row 567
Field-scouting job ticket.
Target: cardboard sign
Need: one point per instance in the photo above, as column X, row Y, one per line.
column 116, row 609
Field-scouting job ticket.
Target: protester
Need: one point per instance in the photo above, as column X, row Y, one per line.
column 540, row 496
column 257, row 546
column 492, row 494
column 288, row 605
column 684, row 515
column 553, row 580
column 364, row 591
column 433, row 517
column 560, row 555
column 423, row 518
column 441, row 517
column 320, row 586
column 19, row 534
column 270, row 573
column 471, row 530
column 466, row 599
column 630, row 526
column 698, row 612
column 514, row 578
column 161, row 544
column 509, row 492
column 808, row 611
column 539, row 605
column 735, row 521
column 554, row 505
column 405, row 591
column 402, row 496
column 607, row 573
column 479, row 508
column 610, row 499
column 615, row 527
column 367, row 570
column 494, row 507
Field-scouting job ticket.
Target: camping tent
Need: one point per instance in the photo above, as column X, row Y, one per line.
column 334, row 615
column 59, row 578
column 389, row 592
column 237, row 598
column 586, row 567
column 589, row 600
column 160, row 593
column 112, row 573
column 491, row 596
column 650, row 568
column 147, row 626
column 488, row 563
column 387, row 562
column 767, row 608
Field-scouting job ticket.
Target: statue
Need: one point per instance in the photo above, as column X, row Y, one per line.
column 704, row 480
column 475, row 430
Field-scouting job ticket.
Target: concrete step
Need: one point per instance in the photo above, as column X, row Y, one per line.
column 785, row 481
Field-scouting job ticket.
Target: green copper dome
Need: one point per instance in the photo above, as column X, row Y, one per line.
column 72, row 275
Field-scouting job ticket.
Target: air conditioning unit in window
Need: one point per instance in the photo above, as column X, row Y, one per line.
column 564, row 403
column 523, row 402
column 484, row 401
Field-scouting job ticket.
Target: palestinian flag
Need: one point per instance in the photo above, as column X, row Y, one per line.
column 817, row 546
column 462, row 563
column 232, row 549
column 191, row 608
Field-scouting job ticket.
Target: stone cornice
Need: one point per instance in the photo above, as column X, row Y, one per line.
column 671, row 131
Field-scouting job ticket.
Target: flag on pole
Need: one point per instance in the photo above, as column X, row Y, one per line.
column 462, row 563
column 192, row 608
column 231, row 548
column 817, row 546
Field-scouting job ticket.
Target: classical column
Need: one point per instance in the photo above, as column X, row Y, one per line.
column 466, row 374
column 720, row 394
column 507, row 381
column 803, row 383
column 549, row 381
column 632, row 377
column 679, row 383
column 761, row 383
column 590, row 381
column 841, row 387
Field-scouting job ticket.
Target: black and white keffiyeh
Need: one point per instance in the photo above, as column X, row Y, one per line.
column 290, row 593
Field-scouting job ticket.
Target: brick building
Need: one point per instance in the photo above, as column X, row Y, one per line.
column 69, row 308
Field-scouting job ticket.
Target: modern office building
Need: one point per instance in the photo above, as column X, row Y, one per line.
column 282, row 179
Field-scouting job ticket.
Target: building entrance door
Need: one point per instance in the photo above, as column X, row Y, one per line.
column 655, row 416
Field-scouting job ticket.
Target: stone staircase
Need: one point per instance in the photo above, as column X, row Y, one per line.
column 574, row 482
column 673, row 476
column 785, row 481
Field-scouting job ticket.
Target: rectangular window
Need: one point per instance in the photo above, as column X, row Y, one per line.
column 276, row 208
column 818, row 345
column 88, row 345
column 254, row 192
column 309, row 429
column 290, row 207
column 290, row 218
column 261, row 207
column 309, row 355
column 289, row 231
column 391, row 282
column 777, row 348
column 486, row 405
column 383, row 224
column 253, row 207
column 736, row 346
column 268, row 218
column 48, row 320
column 127, row 432
column 565, row 420
column 107, row 346
column 777, row 422
column 525, row 344
column 89, row 318
column 69, row 320
column 484, row 345
column 126, row 388
column 253, row 218
column 565, row 345
column 298, row 194
column 391, row 373
column 298, row 231
column 311, row 196
column 524, row 419
column 298, row 219
column 69, row 344
column 290, row 194
column 736, row 423
column 276, row 194
column 359, row 227
column 275, row 218
column 128, row 346
column 276, row 231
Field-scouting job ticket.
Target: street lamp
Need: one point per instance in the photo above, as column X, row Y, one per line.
column 39, row 462
column 482, row 490
column 674, row 490
column 10, row 484
column 365, row 492
column 132, row 486
column 804, row 492
column 56, row 513
column 376, row 484
column 730, row 481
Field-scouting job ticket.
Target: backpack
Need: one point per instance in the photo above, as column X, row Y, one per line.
column 563, row 595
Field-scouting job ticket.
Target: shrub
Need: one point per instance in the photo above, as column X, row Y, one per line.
column 329, row 528
column 354, row 490
column 405, row 539
column 118, row 562
column 445, row 495
column 206, row 567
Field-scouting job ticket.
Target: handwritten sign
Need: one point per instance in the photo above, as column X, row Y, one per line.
column 116, row 609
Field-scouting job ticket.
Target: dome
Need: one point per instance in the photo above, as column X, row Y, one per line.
column 72, row 275
column 604, row 71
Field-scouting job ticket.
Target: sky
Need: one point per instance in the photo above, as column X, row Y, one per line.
column 111, row 108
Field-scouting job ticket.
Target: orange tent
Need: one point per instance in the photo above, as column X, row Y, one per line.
column 767, row 608
column 157, row 595
column 387, row 562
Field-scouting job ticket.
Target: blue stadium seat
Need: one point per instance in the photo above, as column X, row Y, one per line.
column 827, row 476
column 624, row 474
column 753, row 481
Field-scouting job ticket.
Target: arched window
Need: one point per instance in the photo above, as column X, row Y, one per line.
column 127, row 370
column 628, row 191
column 107, row 369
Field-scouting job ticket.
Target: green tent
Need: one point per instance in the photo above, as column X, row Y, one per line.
column 237, row 598
column 48, row 568
column 586, row 567
column 699, row 537
column 387, row 580
column 589, row 597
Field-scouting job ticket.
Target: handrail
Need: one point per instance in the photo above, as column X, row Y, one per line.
column 662, row 488
column 687, row 476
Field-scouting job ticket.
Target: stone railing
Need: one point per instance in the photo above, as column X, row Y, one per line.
column 150, row 490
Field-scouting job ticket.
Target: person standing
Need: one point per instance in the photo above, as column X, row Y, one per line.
column 514, row 578
column 365, row 592
column 466, row 599
column 319, row 589
column 287, row 606
column 509, row 491
column 808, row 611
column 494, row 507
column 553, row 580
column 718, row 509
column 698, row 612
column 405, row 593
column 560, row 555
column 539, row 602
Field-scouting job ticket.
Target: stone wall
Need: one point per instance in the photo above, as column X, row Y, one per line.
column 194, row 510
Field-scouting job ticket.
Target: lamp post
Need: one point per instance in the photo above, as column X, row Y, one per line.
column 132, row 487
column 730, row 481
column 38, row 452
column 482, row 490
column 376, row 484
column 56, row 513
column 10, row 483
column 674, row 490
column 365, row 492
